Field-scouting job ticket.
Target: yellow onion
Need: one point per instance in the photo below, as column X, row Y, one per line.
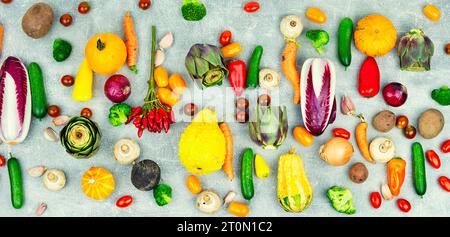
column 337, row 151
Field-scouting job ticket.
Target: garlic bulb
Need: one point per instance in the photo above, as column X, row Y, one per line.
column 291, row 26
column 126, row 151
column 208, row 202
column 54, row 179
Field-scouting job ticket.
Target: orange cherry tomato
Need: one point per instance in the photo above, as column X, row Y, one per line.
column 225, row 37
column 303, row 136
column 432, row 12
column 231, row 50
column 177, row 83
column 251, row 7
column 316, row 15
column 403, row 205
column 161, row 76
column 238, row 209
column 340, row 132
column 445, row 183
column 167, row 97
column 193, row 184
column 124, row 201
column 375, row 200
column 433, row 159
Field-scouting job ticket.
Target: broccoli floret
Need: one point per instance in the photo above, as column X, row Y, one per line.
column 318, row 38
column 61, row 49
column 441, row 95
column 341, row 200
column 193, row 10
column 118, row 114
column 162, row 194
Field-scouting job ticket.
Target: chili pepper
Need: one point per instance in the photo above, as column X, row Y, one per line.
column 149, row 123
column 144, row 122
column 140, row 131
column 369, row 78
column 433, row 159
column 445, row 147
column 237, row 76
column 251, row 7
column 403, row 205
column 340, row 132
column 375, row 200
column 171, row 116
column 396, row 175
column 253, row 67
column 134, row 112
column 2, row 161
column 166, row 125
column 225, row 37
column 137, row 121
column 445, row 183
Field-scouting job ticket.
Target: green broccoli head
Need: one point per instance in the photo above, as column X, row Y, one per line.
column 61, row 50
column 341, row 200
column 162, row 194
column 441, row 95
column 118, row 114
column 193, row 10
column 319, row 38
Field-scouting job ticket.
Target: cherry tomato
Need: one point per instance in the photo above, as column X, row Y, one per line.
column 403, row 205
column 402, row 121
column 193, row 184
column 445, row 183
column 2, row 161
column 86, row 112
column 432, row 12
column 225, row 37
column 447, row 49
column 67, row 80
column 241, row 103
column 53, row 111
column 410, row 132
column 251, row 7
column 238, row 209
column 445, row 147
column 264, row 100
column 84, row 7
column 145, row 4
column 303, row 136
column 7, row 1
column 433, row 158
column 66, row 20
column 124, row 201
column 190, row 109
column 242, row 116
column 375, row 200
column 340, row 132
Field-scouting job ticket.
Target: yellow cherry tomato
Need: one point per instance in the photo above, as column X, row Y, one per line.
column 238, row 209
column 161, row 77
column 432, row 12
column 177, row 83
column 193, row 184
column 303, row 136
column 231, row 50
column 316, row 15
column 167, row 97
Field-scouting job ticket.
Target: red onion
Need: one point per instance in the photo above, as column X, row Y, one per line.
column 117, row 88
column 395, row 94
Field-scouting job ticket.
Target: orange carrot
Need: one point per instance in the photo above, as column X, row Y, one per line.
column 130, row 42
column 1, row 37
column 361, row 140
column 288, row 64
column 228, row 164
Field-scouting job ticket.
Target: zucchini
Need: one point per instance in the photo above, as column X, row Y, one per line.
column 420, row 179
column 15, row 179
column 247, row 174
column 253, row 68
column 38, row 97
column 344, row 41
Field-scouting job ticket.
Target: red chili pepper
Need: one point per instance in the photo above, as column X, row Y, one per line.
column 140, row 131
column 144, row 122
column 2, row 161
column 237, row 76
column 433, row 158
column 225, row 37
column 251, row 7
column 403, row 205
column 445, row 183
column 445, row 147
column 369, row 78
column 166, row 125
column 137, row 121
column 171, row 117
column 134, row 112
column 124, row 201
column 149, row 123
column 375, row 200
column 340, row 132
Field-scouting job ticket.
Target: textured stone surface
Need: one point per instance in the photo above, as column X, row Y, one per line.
column 249, row 30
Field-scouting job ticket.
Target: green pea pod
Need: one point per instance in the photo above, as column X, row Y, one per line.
column 344, row 41
column 253, row 68
column 38, row 97
column 420, row 179
column 15, row 179
column 247, row 174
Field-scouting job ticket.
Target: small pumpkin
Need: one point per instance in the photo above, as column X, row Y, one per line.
column 375, row 35
column 97, row 183
column 106, row 53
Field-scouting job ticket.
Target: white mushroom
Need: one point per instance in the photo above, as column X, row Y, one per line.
column 382, row 149
column 291, row 26
column 208, row 202
column 268, row 79
column 126, row 151
column 54, row 179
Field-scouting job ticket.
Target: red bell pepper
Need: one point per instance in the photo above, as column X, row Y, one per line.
column 237, row 76
column 369, row 78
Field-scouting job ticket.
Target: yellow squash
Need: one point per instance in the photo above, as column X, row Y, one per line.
column 106, row 53
column 294, row 190
column 375, row 35
column 82, row 89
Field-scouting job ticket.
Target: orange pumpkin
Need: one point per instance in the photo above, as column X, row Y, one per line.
column 106, row 53
column 375, row 35
column 97, row 183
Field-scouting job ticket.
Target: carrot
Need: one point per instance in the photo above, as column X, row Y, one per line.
column 130, row 42
column 361, row 140
column 288, row 64
column 228, row 164
column 1, row 37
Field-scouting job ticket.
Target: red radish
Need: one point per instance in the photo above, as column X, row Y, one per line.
column 117, row 88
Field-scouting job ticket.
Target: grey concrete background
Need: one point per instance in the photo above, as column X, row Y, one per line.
column 249, row 30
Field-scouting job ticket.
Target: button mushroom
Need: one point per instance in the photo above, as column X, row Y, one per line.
column 382, row 149
column 126, row 151
column 54, row 179
column 208, row 202
column 268, row 79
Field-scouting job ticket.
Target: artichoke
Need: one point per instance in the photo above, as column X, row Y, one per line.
column 204, row 63
column 415, row 50
column 270, row 126
column 81, row 137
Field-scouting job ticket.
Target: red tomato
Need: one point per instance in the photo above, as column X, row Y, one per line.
column 340, row 132
column 433, row 158
column 409, row 132
column 86, row 112
column 445, row 183
column 445, row 147
column 375, row 199
column 145, row 4
column 84, row 7
column 53, row 111
column 124, row 201
column 66, row 20
column 403, row 205
column 2, row 161
column 242, row 116
column 369, row 78
column 225, row 37
column 67, row 80
column 251, row 7
column 7, row 1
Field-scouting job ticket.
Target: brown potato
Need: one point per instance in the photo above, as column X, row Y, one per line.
column 358, row 173
column 431, row 123
column 384, row 121
column 38, row 20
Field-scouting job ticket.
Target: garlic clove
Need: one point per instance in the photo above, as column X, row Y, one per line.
column 230, row 197
column 386, row 192
column 37, row 171
column 60, row 120
column 160, row 57
column 166, row 41
column 50, row 134
column 41, row 209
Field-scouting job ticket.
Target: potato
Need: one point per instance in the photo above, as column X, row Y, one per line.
column 358, row 173
column 431, row 123
column 384, row 121
column 38, row 20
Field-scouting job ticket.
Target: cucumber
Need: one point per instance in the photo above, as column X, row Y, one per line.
column 247, row 174
column 253, row 68
column 420, row 179
column 344, row 41
column 38, row 97
column 15, row 180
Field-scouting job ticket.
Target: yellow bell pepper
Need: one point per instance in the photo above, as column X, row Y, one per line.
column 82, row 89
